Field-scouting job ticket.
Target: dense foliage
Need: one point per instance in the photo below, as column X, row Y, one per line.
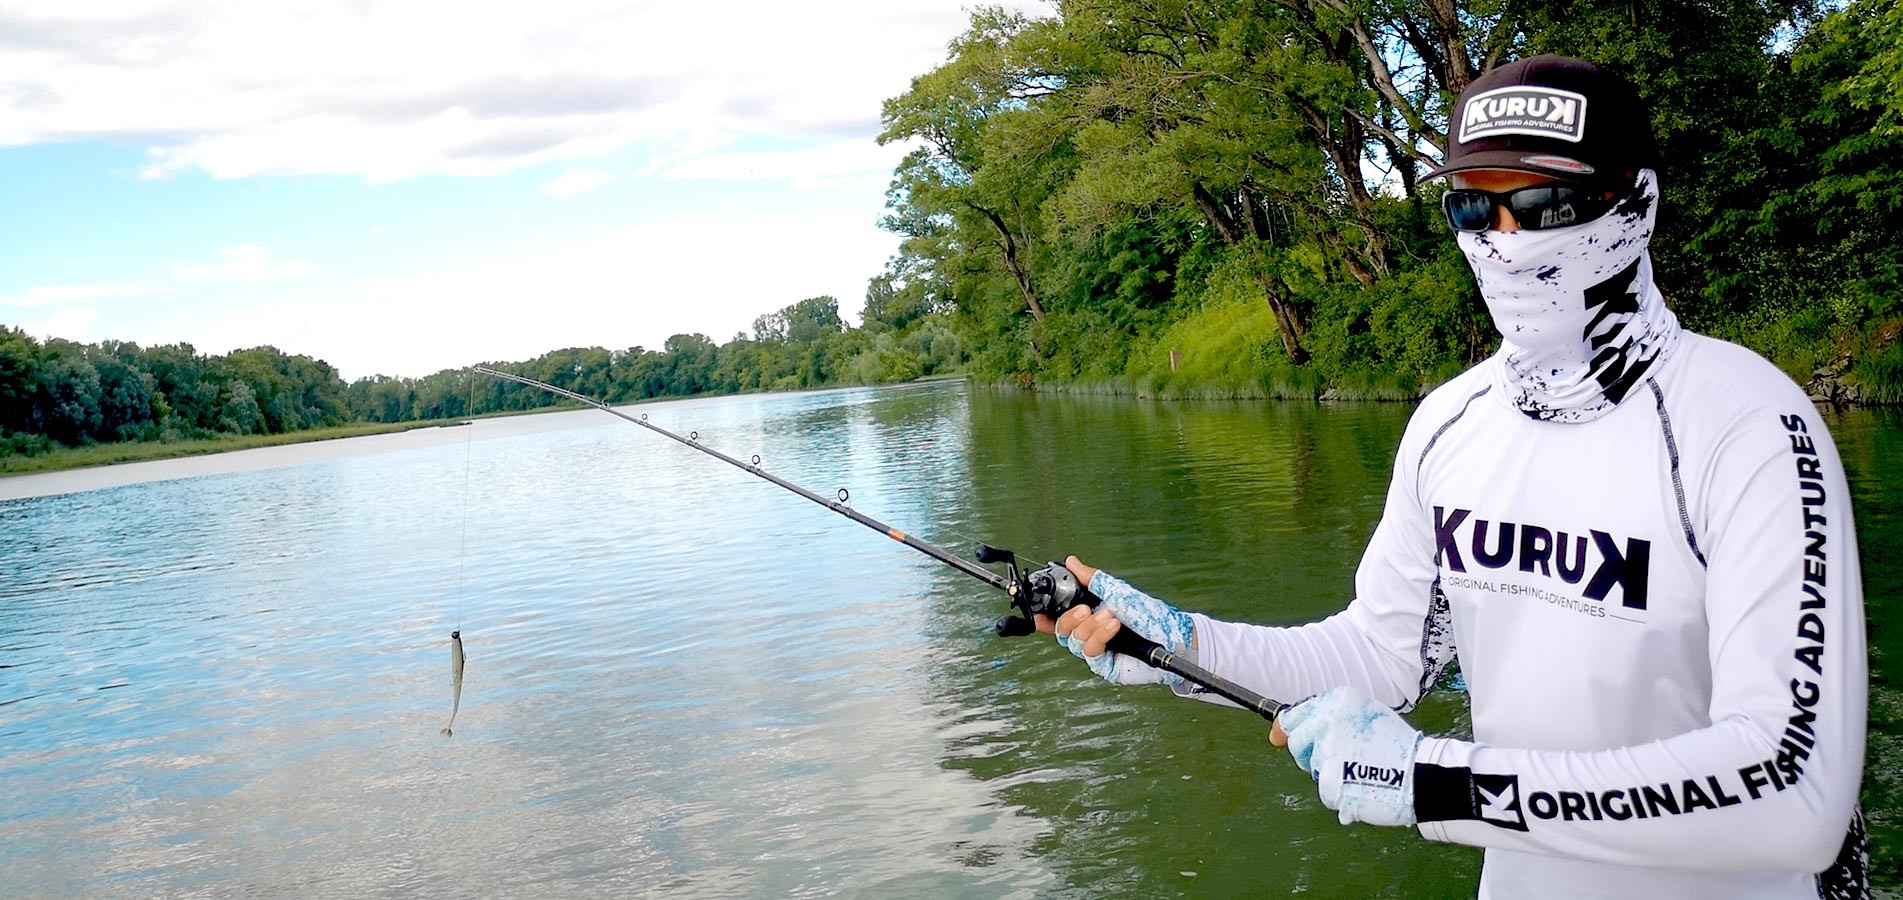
column 1237, row 185
column 64, row 393
column 61, row 392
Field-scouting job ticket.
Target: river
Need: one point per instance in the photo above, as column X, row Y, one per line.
column 228, row 676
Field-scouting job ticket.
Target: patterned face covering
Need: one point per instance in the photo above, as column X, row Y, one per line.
column 1580, row 319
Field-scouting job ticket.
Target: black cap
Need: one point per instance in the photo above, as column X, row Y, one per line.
column 1551, row 115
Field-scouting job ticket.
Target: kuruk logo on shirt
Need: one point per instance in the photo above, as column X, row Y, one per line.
column 1524, row 109
column 1549, row 553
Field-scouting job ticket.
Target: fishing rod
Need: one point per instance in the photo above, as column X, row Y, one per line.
column 1049, row 590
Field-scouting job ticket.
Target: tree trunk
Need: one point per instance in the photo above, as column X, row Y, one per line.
column 1009, row 245
column 1460, row 70
column 1288, row 323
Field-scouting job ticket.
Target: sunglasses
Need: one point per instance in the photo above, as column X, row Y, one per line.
column 1552, row 205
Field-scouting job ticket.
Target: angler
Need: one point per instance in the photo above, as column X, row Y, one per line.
column 1704, row 737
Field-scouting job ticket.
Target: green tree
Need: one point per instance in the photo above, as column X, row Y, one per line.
column 812, row 319
column 968, row 198
column 1798, row 254
column 126, row 395
column 1139, row 155
column 292, row 392
column 19, row 378
column 897, row 297
column 690, row 363
column 67, row 406
column 240, row 413
column 188, row 385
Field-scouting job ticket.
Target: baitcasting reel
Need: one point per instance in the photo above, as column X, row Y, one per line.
column 1050, row 590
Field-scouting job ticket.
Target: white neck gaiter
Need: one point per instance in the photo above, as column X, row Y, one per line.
column 1580, row 319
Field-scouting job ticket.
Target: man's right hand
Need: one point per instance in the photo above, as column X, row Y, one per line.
column 1086, row 633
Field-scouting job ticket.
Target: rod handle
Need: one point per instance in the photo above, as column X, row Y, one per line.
column 1129, row 643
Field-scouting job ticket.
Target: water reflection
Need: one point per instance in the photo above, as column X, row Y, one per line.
column 1871, row 443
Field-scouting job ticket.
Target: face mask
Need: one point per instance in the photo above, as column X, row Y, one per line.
column 1580, row 319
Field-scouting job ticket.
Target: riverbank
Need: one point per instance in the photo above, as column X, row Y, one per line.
column 146, row 451
column 67, row 458
column 1269, row 389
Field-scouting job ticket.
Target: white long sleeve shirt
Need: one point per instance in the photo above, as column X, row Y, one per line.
column 1659, row 618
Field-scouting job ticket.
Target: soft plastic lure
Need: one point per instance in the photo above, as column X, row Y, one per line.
column 455, row 677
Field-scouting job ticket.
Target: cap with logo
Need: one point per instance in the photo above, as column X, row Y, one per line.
column 1551, row 115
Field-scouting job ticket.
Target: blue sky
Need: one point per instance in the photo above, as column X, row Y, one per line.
column 401, row 187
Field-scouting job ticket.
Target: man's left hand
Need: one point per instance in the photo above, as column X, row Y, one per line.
column 1359, row 752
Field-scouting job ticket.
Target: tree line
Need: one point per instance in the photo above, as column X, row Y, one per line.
column 804, row 345
column 60, row 392
column 1149, row 193
column 64, row 393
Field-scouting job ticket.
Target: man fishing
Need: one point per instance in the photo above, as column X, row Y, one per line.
column 1635, row 541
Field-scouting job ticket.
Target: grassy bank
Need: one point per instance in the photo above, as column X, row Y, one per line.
column 141, row 451
column 1270, row 388
column 62, row 458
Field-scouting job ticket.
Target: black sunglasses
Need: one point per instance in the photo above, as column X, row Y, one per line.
column 1552, row 205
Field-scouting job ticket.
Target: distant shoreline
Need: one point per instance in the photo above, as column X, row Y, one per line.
column 147, row 451
column 99, row 455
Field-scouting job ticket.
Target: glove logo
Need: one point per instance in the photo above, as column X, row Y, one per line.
column 1377, row 776
column 1497, row 798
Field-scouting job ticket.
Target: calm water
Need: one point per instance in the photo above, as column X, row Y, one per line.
column 683, row 681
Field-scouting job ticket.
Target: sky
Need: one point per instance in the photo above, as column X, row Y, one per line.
column 402, row 187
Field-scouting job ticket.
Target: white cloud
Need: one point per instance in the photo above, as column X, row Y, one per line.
column 576, row 181
column 861, row 162
column 71, row 324
column 59, row 294
column 244, row 263
column 396, row 89
column 239, row 263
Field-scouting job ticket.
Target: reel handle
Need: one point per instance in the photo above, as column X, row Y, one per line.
column 1014, row 626
column 988, row 554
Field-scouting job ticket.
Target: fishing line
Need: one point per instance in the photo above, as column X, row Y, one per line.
column 469, row 441
column 462, row 562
